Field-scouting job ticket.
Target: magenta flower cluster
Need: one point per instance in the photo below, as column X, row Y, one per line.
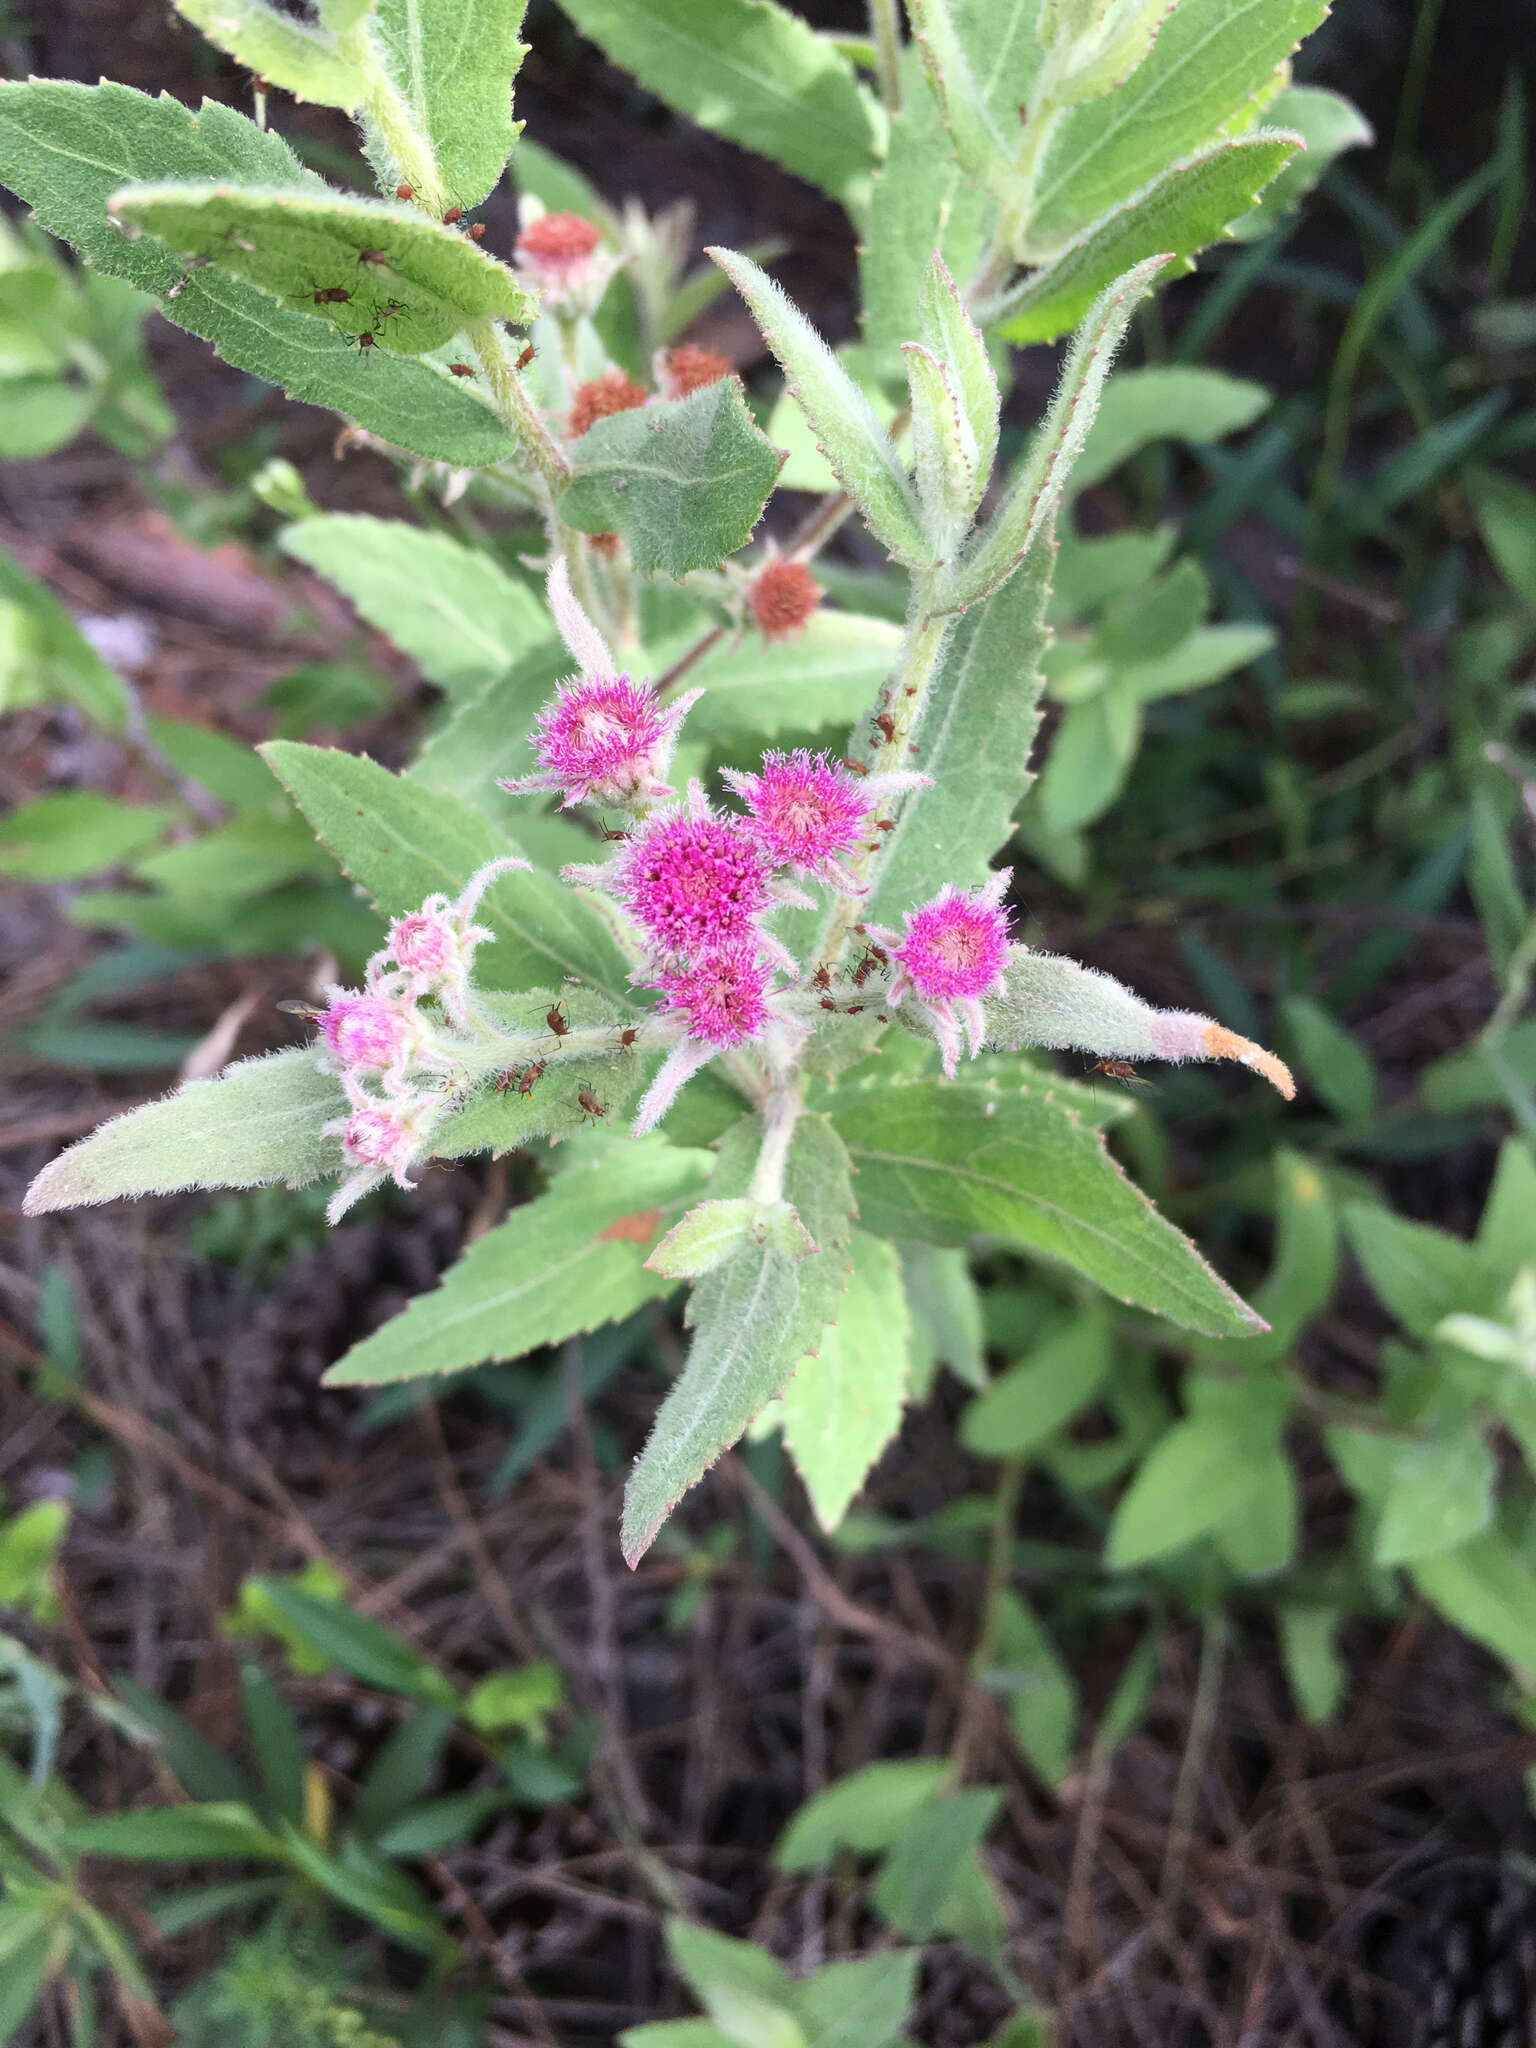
column 952, row 953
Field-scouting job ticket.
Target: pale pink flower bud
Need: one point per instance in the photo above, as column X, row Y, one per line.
column 783, row 596
column 364, row 1033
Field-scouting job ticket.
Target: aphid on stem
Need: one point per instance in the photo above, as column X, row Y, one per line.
column 366, row 341
column 557, row 1020
column 461, row 370
column 374, row 256
column 526, row 357
column 628, row 1036
column 476, row 230
column 453, row 216
column 886, row 726
column 523, row 1082
column 332, row 295
column 854, row 767
column 590, row 1106
column 405, row 191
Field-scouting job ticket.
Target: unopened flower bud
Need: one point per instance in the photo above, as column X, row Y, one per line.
column 783, row 596
column 600, row 398
column 367, row 1034
column 689, row 368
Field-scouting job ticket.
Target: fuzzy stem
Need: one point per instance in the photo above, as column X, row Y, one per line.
column 517, row 409
column 885, row 31
column 781, row 1112
column 409, row 149
column 904, row 698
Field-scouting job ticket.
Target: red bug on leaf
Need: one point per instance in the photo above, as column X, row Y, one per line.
column 453, row 216
column 886, row 726
column 590, row 1106
column 373, row 256
column 557, row 1020
column 477, row 231
column 527, row 356
column 332, row 295
column 628, row 1036
column 405, row 191
column 461, row 370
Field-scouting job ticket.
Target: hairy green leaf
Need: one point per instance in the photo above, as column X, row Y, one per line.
column 559, row 1265
column 922, row 202
column 847, row 431
column 452, row 63
column 947, row 329
column 403, row 843
column 1184, row 208
column 753, row 1318
column 826, row 675
column 409, row 283
column 1052, row 1001
column 844, row 1404
column 1329, row 124
column 258, row 1121
column 67, row 148
column 749, row 70
column 288, row 53
column 1036, row 491
column 945, row 1161
column 457, row 613
column 683, row 480
column 1211, row 58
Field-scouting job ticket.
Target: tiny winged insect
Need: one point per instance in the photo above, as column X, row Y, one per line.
column 526, row 357
column 1122, row 1070
column 294, row 1008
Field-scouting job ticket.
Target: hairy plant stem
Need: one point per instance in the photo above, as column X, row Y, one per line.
column 410, row 150
column 781, row 1111
column 885, row 32
column 903, row 697
column 515, row 405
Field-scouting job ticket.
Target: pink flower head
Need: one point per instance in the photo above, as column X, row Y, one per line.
column 557, row 246
column 604, row 739
column 806, row 812
column 694, row 880
column 952, row 953
column 724, row 997
column 364, row 1032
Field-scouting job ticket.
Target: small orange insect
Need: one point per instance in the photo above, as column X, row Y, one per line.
column 453, row 215
column 527, row 356
column 405, row 191
column 1122, row 1070
column 461, row 369
column 590, row 1106
column 557, row 1020
column 477, row 231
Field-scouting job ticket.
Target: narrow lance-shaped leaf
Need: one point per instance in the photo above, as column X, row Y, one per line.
column 1050, row 1000
column 260, row 1121
column 984, row 146
column 847, row 432
column 947, row 329
column 753, row 1317
column 684, row 481
column 452, row 63
column 67, row 148
column 978, row 725
column 454, row 610
column 750, row 70
column 945, row 1161
column 403, row 843
column 288, row 53
column 1181, row 211
column 1003, row 543
column 949, row 485
column 844, row 1404
column 403, row 279
column 560, row 1265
